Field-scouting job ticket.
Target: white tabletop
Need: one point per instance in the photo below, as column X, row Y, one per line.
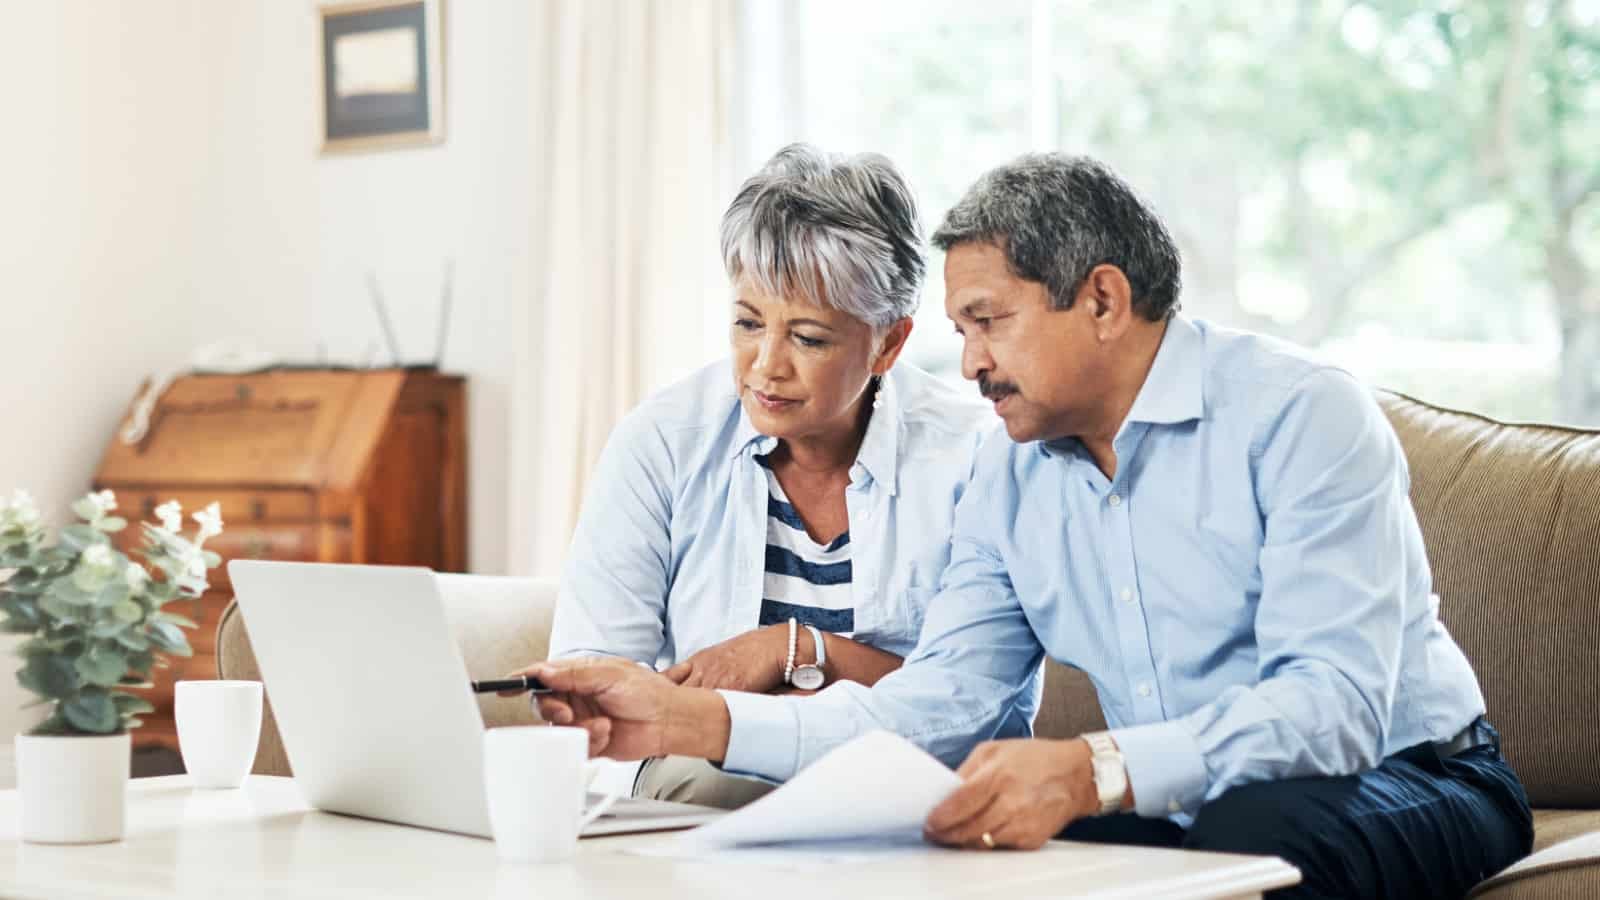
column 263, row 841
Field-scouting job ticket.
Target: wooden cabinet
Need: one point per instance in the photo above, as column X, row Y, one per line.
column 365, row 466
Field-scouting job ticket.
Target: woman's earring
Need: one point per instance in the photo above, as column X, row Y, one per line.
column 877, row 392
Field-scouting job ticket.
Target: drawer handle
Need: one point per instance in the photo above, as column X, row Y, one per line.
column 258, row 509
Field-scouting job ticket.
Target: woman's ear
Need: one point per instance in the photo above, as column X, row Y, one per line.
column 890, row 345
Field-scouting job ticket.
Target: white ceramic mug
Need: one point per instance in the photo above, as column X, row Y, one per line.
column 535, row 778
column 219, row 723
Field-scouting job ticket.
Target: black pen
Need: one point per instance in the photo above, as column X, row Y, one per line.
column 520, row 683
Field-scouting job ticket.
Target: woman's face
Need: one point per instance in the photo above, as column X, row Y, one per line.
column 801, row 370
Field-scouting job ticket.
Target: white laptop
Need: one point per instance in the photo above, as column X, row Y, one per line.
column 372, row 698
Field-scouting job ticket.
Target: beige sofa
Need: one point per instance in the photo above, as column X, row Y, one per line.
column 1511, row 515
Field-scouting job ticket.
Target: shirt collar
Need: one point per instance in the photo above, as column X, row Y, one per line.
column 1173, row 391
column 880, row 448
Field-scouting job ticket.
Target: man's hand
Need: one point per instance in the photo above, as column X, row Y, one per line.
column 1019, row 792
column 630, row 711
column 751, row 662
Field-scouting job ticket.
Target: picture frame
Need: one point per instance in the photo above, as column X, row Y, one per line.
column 382, row 74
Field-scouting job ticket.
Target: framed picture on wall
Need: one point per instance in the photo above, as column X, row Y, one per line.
column 382, row 65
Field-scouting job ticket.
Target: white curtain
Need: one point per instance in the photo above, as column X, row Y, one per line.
column 630, row 156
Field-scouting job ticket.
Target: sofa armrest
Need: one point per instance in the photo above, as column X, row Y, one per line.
column 499, row 624
column 1568, row 869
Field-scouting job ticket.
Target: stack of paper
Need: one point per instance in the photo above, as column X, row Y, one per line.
column 879, row 786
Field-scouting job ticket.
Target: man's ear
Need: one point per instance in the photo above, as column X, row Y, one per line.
column 890, row 345
column 1108, row 298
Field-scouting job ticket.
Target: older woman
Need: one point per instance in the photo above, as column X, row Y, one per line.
column 784, row 528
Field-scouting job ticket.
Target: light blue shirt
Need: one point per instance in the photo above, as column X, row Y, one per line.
column 669, row 556
column 1249, row 594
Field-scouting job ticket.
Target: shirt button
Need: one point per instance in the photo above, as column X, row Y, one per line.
column 1143, row 688
column 1173, row 807
column 1114, row 499
column 1127, row 595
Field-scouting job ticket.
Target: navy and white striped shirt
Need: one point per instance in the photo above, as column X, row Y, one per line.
column 804, row 580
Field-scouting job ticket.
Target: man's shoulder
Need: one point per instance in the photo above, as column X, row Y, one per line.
column 1264, row 379
column 1263, row 373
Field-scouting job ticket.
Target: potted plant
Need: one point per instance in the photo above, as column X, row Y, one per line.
column 96, row 624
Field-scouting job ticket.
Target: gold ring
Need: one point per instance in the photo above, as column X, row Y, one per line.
column 988, row 840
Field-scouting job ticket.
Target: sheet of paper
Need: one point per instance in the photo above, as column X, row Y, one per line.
column 798, row 855
column 878, row 785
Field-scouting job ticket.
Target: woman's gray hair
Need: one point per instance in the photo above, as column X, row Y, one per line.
column 1057, row 217
column 838, row 231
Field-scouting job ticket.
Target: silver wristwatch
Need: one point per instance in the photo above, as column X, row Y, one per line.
column 810, row 676
column 1110, row 771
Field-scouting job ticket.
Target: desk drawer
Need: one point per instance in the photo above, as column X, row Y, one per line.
column 138, row 504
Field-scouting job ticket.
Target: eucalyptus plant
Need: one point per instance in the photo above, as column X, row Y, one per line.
column 96, row 620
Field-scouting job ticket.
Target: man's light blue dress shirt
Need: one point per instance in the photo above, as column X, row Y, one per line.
column 1249, row 594
column 669, row 556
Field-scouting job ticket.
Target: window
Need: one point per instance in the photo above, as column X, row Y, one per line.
column 1412, row 188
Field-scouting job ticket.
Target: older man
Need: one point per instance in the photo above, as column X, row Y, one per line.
column 1213, row 526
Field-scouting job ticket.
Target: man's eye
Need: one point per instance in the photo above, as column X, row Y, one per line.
column 982, row 321
column 746, row 324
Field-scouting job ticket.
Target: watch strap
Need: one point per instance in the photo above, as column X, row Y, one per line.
column 822, row 651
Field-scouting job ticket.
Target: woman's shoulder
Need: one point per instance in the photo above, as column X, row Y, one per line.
column 932, row 403
column 683, row 415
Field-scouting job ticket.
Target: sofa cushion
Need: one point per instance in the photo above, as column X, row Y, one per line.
column 1070, row 706
column 1511, row 518
column 1567, row 871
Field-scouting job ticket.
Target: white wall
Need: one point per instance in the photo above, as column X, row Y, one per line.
column 161, row 189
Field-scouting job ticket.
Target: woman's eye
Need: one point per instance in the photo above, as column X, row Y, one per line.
column 809, row 341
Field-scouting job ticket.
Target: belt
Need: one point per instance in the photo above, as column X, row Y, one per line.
column 1476, row 734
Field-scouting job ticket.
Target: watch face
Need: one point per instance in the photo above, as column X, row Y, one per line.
column 807, row 678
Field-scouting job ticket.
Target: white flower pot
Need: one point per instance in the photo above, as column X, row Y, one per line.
column 74, row 789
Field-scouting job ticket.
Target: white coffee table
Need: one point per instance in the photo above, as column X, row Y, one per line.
column 263, row 841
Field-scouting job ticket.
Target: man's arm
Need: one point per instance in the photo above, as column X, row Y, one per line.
column 964, row 683
column 974, row 664
column 1339, row 545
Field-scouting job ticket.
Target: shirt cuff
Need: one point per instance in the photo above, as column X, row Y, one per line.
column 1165, row 768
column 763, row 736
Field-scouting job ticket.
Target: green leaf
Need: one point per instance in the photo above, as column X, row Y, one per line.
column 92, row 711
column 169, row 638
column 212, row 559
column 129, row 705
column 65, row 590
column 117, row 591
column 175, row 619
column 90, row 580
column 127, row 612
column 85, row 508
column 61, row 611
column 102, row 666
column 77, row 538
column 132, row 639
column 49, row 676
column 111, row 523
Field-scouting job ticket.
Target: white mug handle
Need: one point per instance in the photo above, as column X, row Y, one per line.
column 598, row 810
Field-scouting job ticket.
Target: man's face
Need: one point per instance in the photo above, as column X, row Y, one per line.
column 1038, row 366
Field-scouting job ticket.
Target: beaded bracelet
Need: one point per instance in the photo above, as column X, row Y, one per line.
column 788, row 666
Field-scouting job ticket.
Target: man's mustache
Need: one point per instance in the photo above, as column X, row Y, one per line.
column 994, row 390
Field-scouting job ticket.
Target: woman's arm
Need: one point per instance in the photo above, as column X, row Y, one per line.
column 847, row 660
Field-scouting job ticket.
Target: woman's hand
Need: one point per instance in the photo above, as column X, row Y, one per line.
column 751, row 662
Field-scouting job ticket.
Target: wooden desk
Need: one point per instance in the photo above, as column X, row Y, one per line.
column 263, row 841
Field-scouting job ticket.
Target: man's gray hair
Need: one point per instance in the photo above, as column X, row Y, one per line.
column 838, row 231
column 1057, row 217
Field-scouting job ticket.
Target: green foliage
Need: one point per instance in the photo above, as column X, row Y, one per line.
column 95, row 618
